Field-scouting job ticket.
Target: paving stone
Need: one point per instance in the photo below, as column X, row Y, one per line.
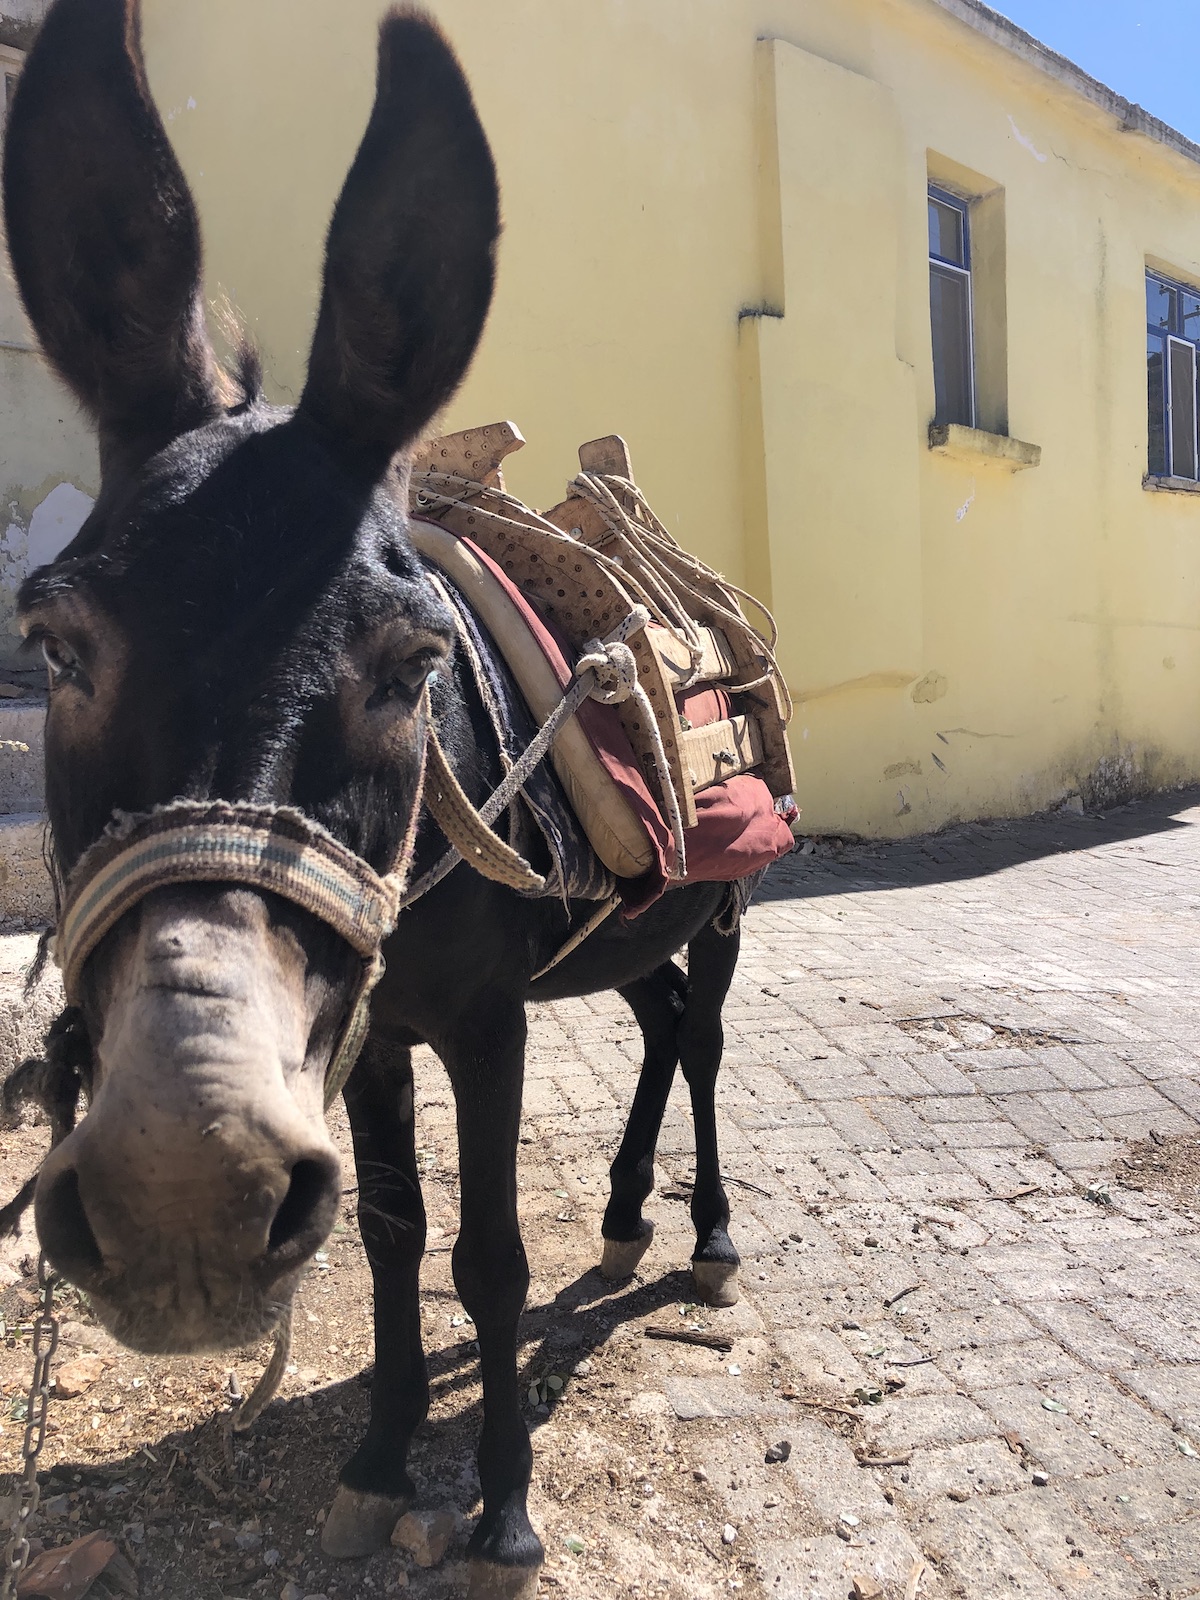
column 1055, row 1439
column 1004, row 1365
column 1088, row 1336
column 975, row 1550
column 1172, row 1391
column 692, row 1398
column 1079, row 1560
column 1171, row 1554
column 906, row 1421
column 1139, row 1497
column 816, row 1569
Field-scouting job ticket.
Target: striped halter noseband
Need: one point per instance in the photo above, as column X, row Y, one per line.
column 274, row 848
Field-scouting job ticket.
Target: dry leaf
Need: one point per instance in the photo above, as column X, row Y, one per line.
column 68, row 1572
column 75, row 1377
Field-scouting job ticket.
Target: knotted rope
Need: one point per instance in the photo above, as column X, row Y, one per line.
column 606, row 671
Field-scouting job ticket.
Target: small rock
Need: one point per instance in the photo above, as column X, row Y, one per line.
column 249, row 1541
column 76, row 1377
column 425, row 1535
column 851, row 1326
column 958, row 1494
column 272, row 1558
column 843, row 1532
column 1040, row 1478
column 728, row 1533
column 871, row 1242
column 849, row 1519
column 700, row 1475
column 867, row 1588
column 135, row 1532
column 778, row 1452
column 581, row 1369
column 291, row 1591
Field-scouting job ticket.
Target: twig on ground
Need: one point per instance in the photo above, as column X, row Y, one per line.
column 1018, row 1194
column 896, row 1298
column 901, row 1460
column 913, row 1361
column 710, row 1341
column 826, row 1405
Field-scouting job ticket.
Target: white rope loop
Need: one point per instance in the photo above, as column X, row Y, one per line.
column 614, row 667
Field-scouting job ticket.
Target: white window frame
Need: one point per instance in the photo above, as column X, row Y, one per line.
column 1184, row 344
column 960, row 203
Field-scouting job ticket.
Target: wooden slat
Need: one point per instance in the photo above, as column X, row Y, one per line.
column 609, row 456
column 720, row 750
column 475, row 453
column 717, row 666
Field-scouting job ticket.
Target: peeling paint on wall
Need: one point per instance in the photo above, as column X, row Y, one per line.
column 24, row 545
column 901, row 769
column 931, row 687
column 1026, row 142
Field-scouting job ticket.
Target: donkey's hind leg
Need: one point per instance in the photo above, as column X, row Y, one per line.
column 657, row 1002
column 712, row 958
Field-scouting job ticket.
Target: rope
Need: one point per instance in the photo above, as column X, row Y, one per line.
column 606, row 672
column 580, row 934
column 660, row 570
column 675, row 568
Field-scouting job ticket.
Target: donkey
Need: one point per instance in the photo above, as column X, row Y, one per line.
column 242, row 620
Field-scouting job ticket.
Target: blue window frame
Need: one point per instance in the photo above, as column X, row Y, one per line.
column 1172, row 340
column 950, row 310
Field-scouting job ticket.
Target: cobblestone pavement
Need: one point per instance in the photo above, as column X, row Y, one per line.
column 917, row 1034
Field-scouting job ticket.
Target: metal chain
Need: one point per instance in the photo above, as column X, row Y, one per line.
column 28, row 1490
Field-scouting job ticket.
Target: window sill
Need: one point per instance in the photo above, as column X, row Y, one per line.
column 1170, row 485
column 973, row 445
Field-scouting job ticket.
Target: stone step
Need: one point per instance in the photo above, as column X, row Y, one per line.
column 25, row 890
column 22, row 755
column 24, row 1020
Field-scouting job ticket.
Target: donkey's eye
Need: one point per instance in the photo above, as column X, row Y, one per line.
column 406, row 679
column 61, row 660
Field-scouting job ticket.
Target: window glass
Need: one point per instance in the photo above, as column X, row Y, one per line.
column 950, row 316
column 947, row 233
column 1188, row 307
column 1156, row 389
column 1183, row 408
column 1160, row 304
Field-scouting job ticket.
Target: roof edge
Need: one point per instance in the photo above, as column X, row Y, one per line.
column 1132, row 117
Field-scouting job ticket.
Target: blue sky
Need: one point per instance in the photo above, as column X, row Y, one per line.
column 1146, row 50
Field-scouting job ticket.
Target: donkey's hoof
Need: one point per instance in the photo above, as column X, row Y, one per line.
column 488, row 1580
column 622, row 1257
column 716, row 1282
column 359, row 1524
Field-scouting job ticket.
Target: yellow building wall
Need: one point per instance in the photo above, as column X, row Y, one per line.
column 715, row 244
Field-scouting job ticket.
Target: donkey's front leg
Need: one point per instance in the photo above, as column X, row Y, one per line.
column 375, row 1485
column 485, row 1059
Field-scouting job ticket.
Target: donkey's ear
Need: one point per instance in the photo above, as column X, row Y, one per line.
column 409, row 263
column 102, row 231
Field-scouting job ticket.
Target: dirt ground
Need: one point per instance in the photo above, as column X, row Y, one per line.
column 621, row 1493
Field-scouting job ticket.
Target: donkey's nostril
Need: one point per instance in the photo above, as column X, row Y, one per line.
column 65, row 1231
column 306, row 1214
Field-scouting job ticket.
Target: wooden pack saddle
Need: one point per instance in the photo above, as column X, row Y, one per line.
column 585, row 565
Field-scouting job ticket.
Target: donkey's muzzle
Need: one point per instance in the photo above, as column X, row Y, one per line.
column 202, row 1251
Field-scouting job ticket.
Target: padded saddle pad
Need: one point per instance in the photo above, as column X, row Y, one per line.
column 592, row 757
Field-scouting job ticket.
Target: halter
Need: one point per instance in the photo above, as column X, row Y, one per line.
column 273, row 848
